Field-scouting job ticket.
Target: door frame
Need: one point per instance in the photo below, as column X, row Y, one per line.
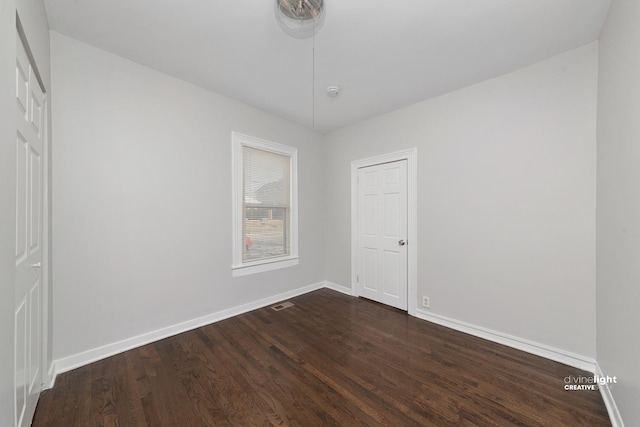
column 411, row 156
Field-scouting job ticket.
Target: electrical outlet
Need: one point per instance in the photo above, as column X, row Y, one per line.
column 425, row 302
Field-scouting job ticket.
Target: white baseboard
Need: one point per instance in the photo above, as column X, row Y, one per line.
column 50, row 377
column 607, row 396
column 77, row 360
column 548, row 352
column 338, row 288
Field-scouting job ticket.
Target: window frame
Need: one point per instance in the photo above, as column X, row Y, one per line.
column 240, row 268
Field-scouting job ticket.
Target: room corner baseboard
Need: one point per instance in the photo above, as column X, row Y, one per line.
column 339, row 288
column 607, row 396
column 77, row 360
column 49, row 378
column 542, row 350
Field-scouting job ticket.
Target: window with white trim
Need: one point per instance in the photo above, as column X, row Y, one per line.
column 265, row 211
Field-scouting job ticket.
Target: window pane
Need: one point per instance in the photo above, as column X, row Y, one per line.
column 265, row 233
column 266, row 189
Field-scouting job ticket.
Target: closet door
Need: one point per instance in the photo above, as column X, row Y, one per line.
column 30, row 119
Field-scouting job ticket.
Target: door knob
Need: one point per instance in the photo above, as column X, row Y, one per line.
column 36, row 265
column 402, row 242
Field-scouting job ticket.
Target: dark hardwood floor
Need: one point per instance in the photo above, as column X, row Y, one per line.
column 330, row 359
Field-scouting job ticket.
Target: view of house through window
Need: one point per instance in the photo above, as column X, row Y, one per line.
column 266, row 208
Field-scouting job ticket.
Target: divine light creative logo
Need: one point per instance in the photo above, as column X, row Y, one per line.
column 573, row 383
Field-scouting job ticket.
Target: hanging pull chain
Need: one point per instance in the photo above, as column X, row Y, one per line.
column 313, row 77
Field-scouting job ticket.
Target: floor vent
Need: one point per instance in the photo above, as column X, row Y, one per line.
column 282, row 306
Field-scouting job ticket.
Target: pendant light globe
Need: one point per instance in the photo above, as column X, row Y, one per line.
column 300, row 19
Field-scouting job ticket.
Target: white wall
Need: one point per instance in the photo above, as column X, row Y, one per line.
column 618, row 212
column 506, row 200
column 142, row 200
column 33, row 18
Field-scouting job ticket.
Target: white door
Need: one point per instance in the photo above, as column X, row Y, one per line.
column 28, row 286
column 382, row 233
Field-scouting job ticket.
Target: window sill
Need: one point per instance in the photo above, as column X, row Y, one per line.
column 263, row 265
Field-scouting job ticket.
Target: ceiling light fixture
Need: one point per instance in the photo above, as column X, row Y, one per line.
column 300, row 18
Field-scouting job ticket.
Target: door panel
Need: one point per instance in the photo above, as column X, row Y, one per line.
column 22, row 81
column 370, row 271
column 30, row 113
column 36, row 116
column 382, row 225
column 371, row 220
column 35, row 193
column 391, row 274
column 22, row 170
column 21, row 362
column 35, row 353
column 391, row 214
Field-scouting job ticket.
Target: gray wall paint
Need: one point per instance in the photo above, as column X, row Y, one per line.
column 618, row 211
column 33, row 17
column 506, row 200
column 142, row 200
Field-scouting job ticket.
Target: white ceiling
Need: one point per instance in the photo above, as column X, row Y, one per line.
column 383, row 54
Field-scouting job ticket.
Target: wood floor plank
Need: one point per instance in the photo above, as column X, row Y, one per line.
column 263, row 365
column 330, row 359
column 246, row 374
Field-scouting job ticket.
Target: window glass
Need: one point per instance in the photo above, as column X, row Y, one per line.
column 266, row 190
